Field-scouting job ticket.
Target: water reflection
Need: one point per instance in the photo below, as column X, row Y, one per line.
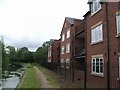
column 11, row 82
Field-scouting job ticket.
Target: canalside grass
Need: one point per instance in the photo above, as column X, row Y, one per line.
column 30, row 80
column 49, row 75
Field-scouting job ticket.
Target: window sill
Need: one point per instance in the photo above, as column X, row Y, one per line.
column 96, row 42
column 96, row 74
column 67, row 67
column 67, row 38
column 92, row 14
column 118, row 35
column 67, row 52
column 118, row 79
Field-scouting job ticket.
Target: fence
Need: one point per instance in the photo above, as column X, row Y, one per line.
column 77, row 73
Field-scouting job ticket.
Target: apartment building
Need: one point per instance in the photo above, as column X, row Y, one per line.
column 90, row 48
column 67, row 37
column 80, row 53
column 54, row 51
column 103, row 44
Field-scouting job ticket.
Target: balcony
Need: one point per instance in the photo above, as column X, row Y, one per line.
column 80, row 51
column 80, row 44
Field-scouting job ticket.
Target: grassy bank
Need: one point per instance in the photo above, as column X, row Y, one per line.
column 30, row 80
column 49, row 75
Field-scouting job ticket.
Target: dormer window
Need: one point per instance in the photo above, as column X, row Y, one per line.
column 95, row 6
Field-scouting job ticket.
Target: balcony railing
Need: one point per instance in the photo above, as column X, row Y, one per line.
column 80, row 51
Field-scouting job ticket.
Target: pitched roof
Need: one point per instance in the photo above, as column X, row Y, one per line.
column 71, row 20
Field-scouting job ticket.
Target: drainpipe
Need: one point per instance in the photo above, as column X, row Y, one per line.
column 72, row 56
column 65, row 69
column 85, row 71
column 72, row 48
column 108, row 49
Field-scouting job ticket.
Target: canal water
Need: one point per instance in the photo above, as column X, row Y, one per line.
column 11, row 82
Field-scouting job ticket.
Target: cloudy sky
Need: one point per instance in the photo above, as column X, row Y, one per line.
column 29, row 23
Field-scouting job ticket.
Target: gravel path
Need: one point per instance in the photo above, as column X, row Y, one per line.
column 42, row 78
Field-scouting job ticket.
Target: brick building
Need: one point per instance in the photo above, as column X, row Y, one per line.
column 90, row 48
column 67, row 35
column 79, row 54
column 54, row 51
column 103, row 44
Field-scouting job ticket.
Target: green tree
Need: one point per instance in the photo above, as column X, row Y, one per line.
column 40, row 56
column 11, row 53
column 5, row 59
column 24, row 55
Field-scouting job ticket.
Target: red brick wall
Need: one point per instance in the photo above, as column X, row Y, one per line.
column 56, row 53
column 64, row 56
column 69, row 40
column 101, row 48
column 114, row 44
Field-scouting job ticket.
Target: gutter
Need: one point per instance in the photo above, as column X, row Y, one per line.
column 108, row 49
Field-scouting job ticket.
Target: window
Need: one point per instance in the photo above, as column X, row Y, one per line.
column 95, row 6
column 96, row 34
column 62, row 50
column 62, row 63
column 49, row 60
column 67, row 48
column 63, row 37
column 97, row 65
column 67, row 63
column 118, row 23
column 68, row 33
column 65, row 25
column 119, row 68
column 50, row 52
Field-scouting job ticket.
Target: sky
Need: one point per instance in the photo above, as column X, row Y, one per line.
column 29, row 23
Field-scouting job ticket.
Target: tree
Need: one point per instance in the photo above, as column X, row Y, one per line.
column 5, row 58
column 11, row 53
column 40, row 56
column 24, row 55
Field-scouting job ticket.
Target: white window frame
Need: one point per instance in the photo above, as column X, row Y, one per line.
column 68, row 48
column 49, row 60
column 67, row 63
column 62, row 63
column 68, row 33
column 118, row 23
column 50, row 52
column 95, row 6
column 63, row 37
column 62, row 49
column 98, row 64
column 119, row 67
column 97, row 33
